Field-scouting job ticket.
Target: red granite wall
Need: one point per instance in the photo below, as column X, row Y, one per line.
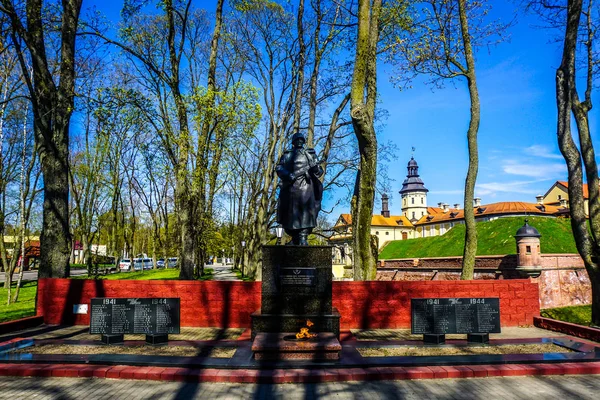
column 229, row 304
column 216, row 304
column 563, row 281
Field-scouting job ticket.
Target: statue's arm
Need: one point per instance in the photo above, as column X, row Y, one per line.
column 315, row 168
column 282, row 172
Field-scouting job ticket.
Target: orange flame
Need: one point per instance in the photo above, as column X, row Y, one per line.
column 304, row 332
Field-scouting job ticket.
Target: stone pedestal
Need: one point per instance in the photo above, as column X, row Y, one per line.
column 274, row 346
column 296, row 286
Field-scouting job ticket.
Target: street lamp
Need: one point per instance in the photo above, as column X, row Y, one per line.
column 279, row 232
column 243, row 245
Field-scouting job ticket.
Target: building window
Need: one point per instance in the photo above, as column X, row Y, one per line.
column 559, row 196
column 527, row 249
column 387, row 233
column 422, row 213
column 404, row 201
column 421, row 200
column 413, row 215
column 412, row 200
column 377, row 232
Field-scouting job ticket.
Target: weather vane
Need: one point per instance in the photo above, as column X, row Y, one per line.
column 413, row 151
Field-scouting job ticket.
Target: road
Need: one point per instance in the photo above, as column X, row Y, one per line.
column 222, row 273
column 33, row 275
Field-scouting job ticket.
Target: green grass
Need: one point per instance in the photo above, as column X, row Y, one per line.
column 238, row 273
column 494, row 237
column 581, row 315
column 152, row 274
column 25, row 307
column 84, row 266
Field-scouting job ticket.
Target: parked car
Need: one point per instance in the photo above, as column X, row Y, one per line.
column 137, row 264
column 125, row 264
column 172, row 262
column 147, row 263
column 160, row 263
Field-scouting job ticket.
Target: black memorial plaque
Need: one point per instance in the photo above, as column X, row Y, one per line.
column 446, row 316
column 151, row 316
column 297, row 276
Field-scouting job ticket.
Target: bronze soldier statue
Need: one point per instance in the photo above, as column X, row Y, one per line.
column 300, row 190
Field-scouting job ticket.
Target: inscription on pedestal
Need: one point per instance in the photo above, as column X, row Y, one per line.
column 297, row 276
column 130, row 316
column 446, row 316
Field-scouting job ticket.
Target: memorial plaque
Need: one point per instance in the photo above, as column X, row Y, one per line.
column 447, row 316
column 112, row 316
column 297, row 276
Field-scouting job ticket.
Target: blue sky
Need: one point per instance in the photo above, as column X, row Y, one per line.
column 518, row 151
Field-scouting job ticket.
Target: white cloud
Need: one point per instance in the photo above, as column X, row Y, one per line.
column 539, row 150
column 548, row 171
column 522, row 187
column 458, row 191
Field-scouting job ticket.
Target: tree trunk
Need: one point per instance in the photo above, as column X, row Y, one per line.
column 55, row 240
column 363, row 97
column 470, row 249
column 52, row 108
column 566, row 101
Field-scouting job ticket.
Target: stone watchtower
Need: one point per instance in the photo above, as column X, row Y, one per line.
column 413, row 194
column 529, row 259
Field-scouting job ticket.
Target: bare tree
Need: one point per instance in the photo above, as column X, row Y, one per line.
column 441, row 43
column 52, row 105
column 579, row 20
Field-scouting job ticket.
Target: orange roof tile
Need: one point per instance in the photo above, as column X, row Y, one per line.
column 586, row 194
column 505, row 207
column 377, row 220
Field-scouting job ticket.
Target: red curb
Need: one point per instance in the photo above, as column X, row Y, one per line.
column 295, row 375
column 101, row 371
column 130, row 372
column 154, row 373
column 439, row 372
column 115, row 372
column 479, row 371
column 581, row 331
column 21, row 324
column 419, row 373
column 458, row 371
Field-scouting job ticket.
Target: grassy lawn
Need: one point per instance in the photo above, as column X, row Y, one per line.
column 152, row 274
column 84, row 266
column 581, row 315
column 494, row 237
column 238, row 273
column 25, row 307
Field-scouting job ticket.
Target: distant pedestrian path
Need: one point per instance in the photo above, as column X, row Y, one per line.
column 538, row 388
column 223, row 273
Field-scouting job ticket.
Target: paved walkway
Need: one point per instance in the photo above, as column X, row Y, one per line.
column 555, row 387
column 223, row 273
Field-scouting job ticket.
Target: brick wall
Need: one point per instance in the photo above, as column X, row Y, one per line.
column 372, row 304
column 563, row 281
column 387, row 304
column 203, row 304
column 500, row 262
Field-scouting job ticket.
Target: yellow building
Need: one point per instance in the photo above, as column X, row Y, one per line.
column 558, row 195
column 418, row 220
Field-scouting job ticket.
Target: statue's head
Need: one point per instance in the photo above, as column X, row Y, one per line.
column 298, row 140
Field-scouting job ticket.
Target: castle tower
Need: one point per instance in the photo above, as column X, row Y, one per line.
column 413, row 194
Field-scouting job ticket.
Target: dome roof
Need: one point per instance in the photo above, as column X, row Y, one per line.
column 413, row 183
column 527, row 231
